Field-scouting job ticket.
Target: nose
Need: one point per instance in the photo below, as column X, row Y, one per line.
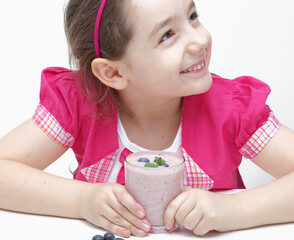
column 198, row 39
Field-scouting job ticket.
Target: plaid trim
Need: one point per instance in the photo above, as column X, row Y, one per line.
column 100, row 171
column 196, row 177
column 261, row 137
column 48, row 123
column 121, row 174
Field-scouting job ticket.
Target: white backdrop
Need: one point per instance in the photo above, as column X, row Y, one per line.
column 250, row 37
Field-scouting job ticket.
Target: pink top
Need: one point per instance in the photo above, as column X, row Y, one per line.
column 220, row 126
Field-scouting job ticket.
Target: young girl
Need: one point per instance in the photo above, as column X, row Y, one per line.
column 143, row 83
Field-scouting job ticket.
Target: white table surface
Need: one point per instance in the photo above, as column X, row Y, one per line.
column 16, row 226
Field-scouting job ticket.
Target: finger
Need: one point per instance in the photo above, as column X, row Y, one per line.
column 202, row 227
column 142, row 224
column 172, row 208
column 184, row 210
column 119, row 220
column 192, row 219
column 110, row 226
column 128, row 201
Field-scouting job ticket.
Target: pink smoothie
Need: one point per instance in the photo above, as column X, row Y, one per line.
column 154, row 188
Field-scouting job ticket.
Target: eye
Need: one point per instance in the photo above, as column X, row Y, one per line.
column 193, row 17
column 167, row 35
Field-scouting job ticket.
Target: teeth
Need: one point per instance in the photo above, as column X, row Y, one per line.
column 198, row 67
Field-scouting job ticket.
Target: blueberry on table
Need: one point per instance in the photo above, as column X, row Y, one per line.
column 165, row 165
column 119, row 239
column 109, row 236
column 98, row 237
column 145, row 160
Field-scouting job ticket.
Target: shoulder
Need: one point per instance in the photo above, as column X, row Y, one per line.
column 227, row 90
column 232, row 91
column 60, row 84
column 240, row 87
column 244, row 90
column 244, row 96
column 62, row 100
column 249, row 107
column 239, row 83
column 56, row 75
column 230, row 100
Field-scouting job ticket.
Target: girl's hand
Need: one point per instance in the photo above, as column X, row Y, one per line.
column 111, row 207
column 201, row 211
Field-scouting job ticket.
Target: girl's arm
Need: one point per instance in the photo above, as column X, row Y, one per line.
column 202, row 211
column 24, row 187
column 23, row 153
column 273, row 202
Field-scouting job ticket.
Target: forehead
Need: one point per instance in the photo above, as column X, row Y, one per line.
column 146, row 13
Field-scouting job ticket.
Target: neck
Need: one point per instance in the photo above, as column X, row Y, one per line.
column 152, row 125
column 148, row 111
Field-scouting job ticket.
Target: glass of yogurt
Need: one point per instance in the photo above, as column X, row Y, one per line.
column 154, row 178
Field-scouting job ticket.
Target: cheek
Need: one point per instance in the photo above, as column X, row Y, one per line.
column 158, row 67
column 156, row 70
column 134, row 68
column 167, row 75
column 169, row 61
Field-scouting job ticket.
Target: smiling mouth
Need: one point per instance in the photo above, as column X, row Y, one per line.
column 196, row 67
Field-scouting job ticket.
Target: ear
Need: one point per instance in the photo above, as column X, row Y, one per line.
column 108, row 73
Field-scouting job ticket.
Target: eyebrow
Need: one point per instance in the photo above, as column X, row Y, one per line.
column 165, row 22
column 160, row 25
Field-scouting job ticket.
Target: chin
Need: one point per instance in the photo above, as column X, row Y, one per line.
column 201, row 85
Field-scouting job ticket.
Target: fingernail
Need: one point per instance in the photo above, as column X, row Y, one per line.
column 140, row 214
column 168, row 227
column 125, row 233
column 145, row 227
column 140, row 232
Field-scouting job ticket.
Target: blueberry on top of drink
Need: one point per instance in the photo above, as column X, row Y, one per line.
column 145, row 160
column 158, row 161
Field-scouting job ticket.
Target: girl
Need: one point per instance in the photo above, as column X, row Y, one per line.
column 143, row 83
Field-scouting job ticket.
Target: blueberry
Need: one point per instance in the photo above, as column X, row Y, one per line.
column 145, row 160
column 165, row 165
column 109, row 236
column 119, row 239
column 98, row 237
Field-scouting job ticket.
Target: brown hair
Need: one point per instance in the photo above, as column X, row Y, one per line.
column 114, row 34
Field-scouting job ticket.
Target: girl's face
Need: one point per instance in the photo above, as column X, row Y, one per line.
column 169, row 53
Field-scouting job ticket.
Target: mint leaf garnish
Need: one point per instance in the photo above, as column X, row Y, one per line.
column 151, row 165
column 159, row 161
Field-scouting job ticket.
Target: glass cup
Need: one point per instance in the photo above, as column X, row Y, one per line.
column 154, row 186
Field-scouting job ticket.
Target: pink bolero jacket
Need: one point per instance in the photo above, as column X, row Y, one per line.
column 219, row 127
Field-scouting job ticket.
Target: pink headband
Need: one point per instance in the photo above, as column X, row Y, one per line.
column 97, row 25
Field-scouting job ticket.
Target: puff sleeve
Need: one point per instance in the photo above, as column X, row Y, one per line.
column 57, row 112
column 254, row 122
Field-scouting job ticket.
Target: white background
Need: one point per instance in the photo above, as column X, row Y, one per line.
column 250, row 37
